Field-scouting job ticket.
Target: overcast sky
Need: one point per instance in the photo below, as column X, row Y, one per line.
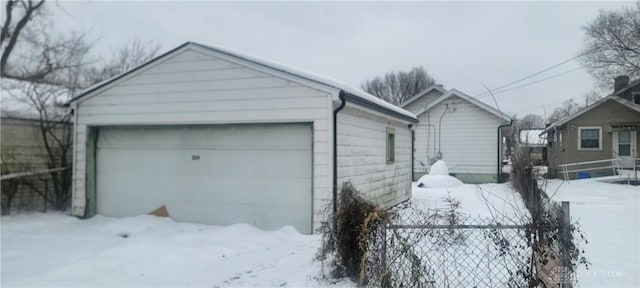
column 462, row 44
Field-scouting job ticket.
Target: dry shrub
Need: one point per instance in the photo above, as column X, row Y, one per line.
column 525, row 182
column 551, row 236
column 344, row 241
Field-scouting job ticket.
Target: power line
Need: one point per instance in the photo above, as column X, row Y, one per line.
column 534, row 82
column 529, row 84
column 530, row 76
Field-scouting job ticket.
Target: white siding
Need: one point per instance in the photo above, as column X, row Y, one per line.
column 469, row 137
column 194, row 88
column 422, row 102
column 362, row 156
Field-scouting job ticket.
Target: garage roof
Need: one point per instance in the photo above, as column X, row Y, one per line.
column 352, row 94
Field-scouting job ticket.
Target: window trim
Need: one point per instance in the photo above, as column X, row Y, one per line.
column 390, row 154
column 618, row 143
column 580, row 138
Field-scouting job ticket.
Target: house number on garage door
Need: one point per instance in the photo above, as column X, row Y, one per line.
column 195, row 157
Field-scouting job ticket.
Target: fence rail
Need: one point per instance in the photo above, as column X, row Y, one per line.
column 30, row 173
column 28, row 191
column 615, row 164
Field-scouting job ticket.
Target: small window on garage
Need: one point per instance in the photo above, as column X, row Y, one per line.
column 590, row 138
column 391, row 145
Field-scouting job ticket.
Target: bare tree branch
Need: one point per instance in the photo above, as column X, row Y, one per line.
column 612, row 45
column 397, row 87
column 12, row 35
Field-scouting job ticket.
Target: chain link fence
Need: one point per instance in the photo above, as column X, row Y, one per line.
column 443, row 248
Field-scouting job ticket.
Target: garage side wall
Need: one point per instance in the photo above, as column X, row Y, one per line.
column 362, row 155
column 193, row 88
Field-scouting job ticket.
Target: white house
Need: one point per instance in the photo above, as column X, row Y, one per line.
column 459, row 129
column 218, row 137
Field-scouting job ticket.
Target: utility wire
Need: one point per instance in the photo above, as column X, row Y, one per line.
column 492, row 94
column 496, row 90
column 533, row 82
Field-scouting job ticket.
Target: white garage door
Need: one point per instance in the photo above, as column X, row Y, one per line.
column 223, row 174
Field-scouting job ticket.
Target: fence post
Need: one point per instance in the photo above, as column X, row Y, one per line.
column 566, row 237
column 46, row 194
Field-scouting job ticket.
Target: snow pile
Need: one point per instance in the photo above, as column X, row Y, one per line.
column 439, row 168
column 438, row 177
column 438, row 181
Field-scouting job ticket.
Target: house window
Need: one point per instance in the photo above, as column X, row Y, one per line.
column 624, row 143
column 635, row 97
column 590, row 138
column 560, row 139
column 391, row 145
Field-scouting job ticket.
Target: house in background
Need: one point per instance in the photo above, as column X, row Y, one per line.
column 606, row 131
column 533, row 144
column 218, row 137
column 459, row 129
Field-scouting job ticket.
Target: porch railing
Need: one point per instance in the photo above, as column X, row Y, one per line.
column 615, row 164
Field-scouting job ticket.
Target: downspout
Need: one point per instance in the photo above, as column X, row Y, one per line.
column 74, row 110
column 413, row 158
column 335, row 155
column 439, row 154
column 429, row 136
column 498, row 176
column 430, row 128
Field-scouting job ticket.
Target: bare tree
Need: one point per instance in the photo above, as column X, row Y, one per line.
column 397, row 87
column 612, row 45
column 592, row 97
column 54, row 125
column 31, row 51
column 530, row 121
column 43, row 70
column 568, row 108
column 129, row 56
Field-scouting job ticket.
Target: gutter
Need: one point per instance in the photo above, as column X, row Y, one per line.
column 498, row 176
column 343, row 98
column 373, row 106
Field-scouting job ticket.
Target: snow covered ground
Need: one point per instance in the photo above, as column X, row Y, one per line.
column 495, row 201
column 59, row 250
column 609, row 216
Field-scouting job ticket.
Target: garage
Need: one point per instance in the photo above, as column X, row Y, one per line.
column 212, row 174
column 218, row 137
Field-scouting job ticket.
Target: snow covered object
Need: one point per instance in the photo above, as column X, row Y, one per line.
column 439, row 168
column 438, row 177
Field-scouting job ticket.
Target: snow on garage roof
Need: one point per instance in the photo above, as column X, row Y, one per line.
column 352, row 94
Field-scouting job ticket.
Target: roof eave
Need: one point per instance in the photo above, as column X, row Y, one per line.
column 455, row 92
column 373, row 106
column 107, row 82
column 424, row 92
